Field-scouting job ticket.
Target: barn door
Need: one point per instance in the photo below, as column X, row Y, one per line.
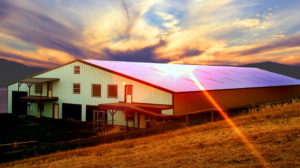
column 128, row 93
column 19, row 107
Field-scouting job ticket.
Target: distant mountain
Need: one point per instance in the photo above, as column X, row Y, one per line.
column 288, row 70
column 297, row 64
column 12, row 71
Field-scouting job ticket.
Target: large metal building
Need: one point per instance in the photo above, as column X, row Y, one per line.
column 129, row 93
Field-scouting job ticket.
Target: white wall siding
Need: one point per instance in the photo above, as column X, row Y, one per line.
column 63, row 89
column 90, row 75
column 167, row 112
column 119, row 119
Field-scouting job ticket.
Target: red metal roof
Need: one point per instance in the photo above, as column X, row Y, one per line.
column 181, row 78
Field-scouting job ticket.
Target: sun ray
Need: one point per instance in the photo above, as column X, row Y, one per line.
column 228, row 120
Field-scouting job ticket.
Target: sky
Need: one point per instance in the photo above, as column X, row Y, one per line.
column 212, row 32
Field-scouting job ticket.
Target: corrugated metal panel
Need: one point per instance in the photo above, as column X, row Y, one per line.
column 48, row 110
column 119, row 119
column 228, row 99
column 90, row 75
column 176, row 77
column 167, row 112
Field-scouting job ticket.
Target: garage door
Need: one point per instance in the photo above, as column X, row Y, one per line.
column 71, row 111
column 19, row 107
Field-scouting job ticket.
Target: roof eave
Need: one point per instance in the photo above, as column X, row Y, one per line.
column 127, row 76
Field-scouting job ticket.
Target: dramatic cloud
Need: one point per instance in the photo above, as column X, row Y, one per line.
column 47, row 33
column 22, row 59
column 142, row 55
column 289, row 42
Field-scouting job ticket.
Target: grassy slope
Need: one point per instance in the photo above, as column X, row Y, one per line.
column 275, row 132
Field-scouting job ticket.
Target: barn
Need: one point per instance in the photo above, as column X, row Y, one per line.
column 130, row 93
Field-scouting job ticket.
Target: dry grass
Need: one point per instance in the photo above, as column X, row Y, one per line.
column 273, row 130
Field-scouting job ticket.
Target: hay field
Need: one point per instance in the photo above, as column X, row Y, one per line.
column 273, row 130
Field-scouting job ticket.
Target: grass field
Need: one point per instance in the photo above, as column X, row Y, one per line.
column 273, row 130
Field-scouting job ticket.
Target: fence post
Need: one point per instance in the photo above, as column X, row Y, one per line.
column 15, row 144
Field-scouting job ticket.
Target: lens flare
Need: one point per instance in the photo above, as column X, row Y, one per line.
column 228, row 120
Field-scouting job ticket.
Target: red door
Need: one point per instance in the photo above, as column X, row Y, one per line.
column 128, row 93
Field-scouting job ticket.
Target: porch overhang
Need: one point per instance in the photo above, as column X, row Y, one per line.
column 38, row 80
column 151, row 110
column 39, row 99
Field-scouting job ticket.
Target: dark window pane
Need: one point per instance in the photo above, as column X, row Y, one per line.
column 39, row 88
column 76, row 69
column 113, row 91
column 96, row 90
column 76, row 88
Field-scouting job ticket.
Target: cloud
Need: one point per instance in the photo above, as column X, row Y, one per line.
column 40, row 30
column 22, row 59
column 289, row 42
column 142, row 55
column 248, row 23
column 41, row 57
column 193, row 31
column 284, row 50
column 191, row 52
column 123, row 26
column 170, row 22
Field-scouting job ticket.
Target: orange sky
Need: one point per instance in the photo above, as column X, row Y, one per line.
column 224, row 32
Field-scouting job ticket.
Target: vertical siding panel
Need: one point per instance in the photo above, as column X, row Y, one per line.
column 63, row 88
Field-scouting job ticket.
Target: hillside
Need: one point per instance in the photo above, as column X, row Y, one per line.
column 288, row 70
column 274, row 131
column 12, row 71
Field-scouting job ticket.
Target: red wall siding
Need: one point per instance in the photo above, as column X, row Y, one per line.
column 197, row 101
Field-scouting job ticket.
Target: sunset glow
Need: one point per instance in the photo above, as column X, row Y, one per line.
column 228, row 32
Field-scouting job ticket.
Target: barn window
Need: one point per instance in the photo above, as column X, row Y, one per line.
column 112, row 91
column 76, row 88
column 96, row 90
column 77, row 69
column 39, row 88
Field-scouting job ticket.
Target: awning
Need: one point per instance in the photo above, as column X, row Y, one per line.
column 151, row 110
column 38, row 80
